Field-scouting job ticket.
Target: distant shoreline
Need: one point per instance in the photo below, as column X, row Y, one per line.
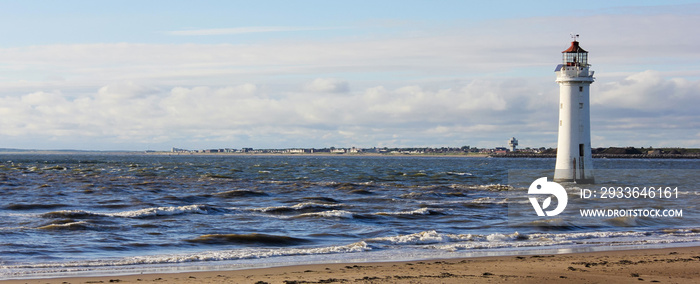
column 325, row 154
column 604, row 156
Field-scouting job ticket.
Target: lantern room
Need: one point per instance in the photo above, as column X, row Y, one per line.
column 575, row 55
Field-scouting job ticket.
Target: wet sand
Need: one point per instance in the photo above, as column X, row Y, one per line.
column 669, row 265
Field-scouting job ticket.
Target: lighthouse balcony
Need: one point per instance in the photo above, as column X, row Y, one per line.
column 573, row 73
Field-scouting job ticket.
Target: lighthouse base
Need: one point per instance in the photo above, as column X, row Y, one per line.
column 579, row 176
column 578, row 181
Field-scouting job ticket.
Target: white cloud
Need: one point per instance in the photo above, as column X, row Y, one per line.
column 646, row 109
column 650, row 91
column 327, row 85
column 242, row 30
column 513, row 48
column 477, row 112
column 128, row 112
column 482, row 83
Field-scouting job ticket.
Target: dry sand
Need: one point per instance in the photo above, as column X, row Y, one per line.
column 671, row 265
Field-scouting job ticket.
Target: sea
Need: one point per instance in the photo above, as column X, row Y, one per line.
column 112, row 214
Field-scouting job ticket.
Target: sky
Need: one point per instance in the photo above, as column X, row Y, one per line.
column 151, row 75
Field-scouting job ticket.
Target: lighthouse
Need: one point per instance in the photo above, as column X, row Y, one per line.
column 574, row 161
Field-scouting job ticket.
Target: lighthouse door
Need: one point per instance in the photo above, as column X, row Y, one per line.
column 581, row 165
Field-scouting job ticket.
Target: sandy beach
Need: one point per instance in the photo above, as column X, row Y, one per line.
column 669, row 265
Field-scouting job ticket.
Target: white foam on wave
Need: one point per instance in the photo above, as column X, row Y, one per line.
column 433, row 237
column 452, row 242
column 162, row 211
column 330, row 214
column 495, row 244
column 425, row 237
column 599, row 237
column 460, row 174
column 426, row 240
column 421, row 211
column 494, row 187
column 70, row 225
column 299, row 206
column 489, row 200
column 140, row 213
column 199, row 256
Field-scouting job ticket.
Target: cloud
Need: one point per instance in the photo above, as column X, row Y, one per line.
column 472, row 84
column 505, row 48
column 327, row 85
column 646, row 109
column 650, row 91
column 479, row 112
column 127, row 112
column 242, row 30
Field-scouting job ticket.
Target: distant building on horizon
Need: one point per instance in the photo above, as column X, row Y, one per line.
column 513, row 143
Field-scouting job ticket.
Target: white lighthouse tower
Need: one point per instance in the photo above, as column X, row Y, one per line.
column 574, row 161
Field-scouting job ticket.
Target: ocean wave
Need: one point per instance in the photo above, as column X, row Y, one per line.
column 164, row 211
column 433, row 194
column 587, row 238
column 600, row 236
column 460, row 174
column 140, row 213
column 71, row 226
column 329, row 214
column 421, row 211
column 249, row 253
column 433, row 237
column 349, row 186
column 240, row 193
column 321, row 199
column 558, row 222
column 495, row 187
column 425, row 237
column 254, row 238
column 69, row 214
column 430, row 239
column 622, row 221
column 494, row 245
column 444, row 241
column 32, row 206
column 488, row 200
column 463, row 187
column 304, row 207
column 217, row 176
column 415, row 174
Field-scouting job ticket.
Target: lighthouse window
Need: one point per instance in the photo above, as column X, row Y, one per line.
column 580, row 105
column 561, row 105
column 580, row 88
